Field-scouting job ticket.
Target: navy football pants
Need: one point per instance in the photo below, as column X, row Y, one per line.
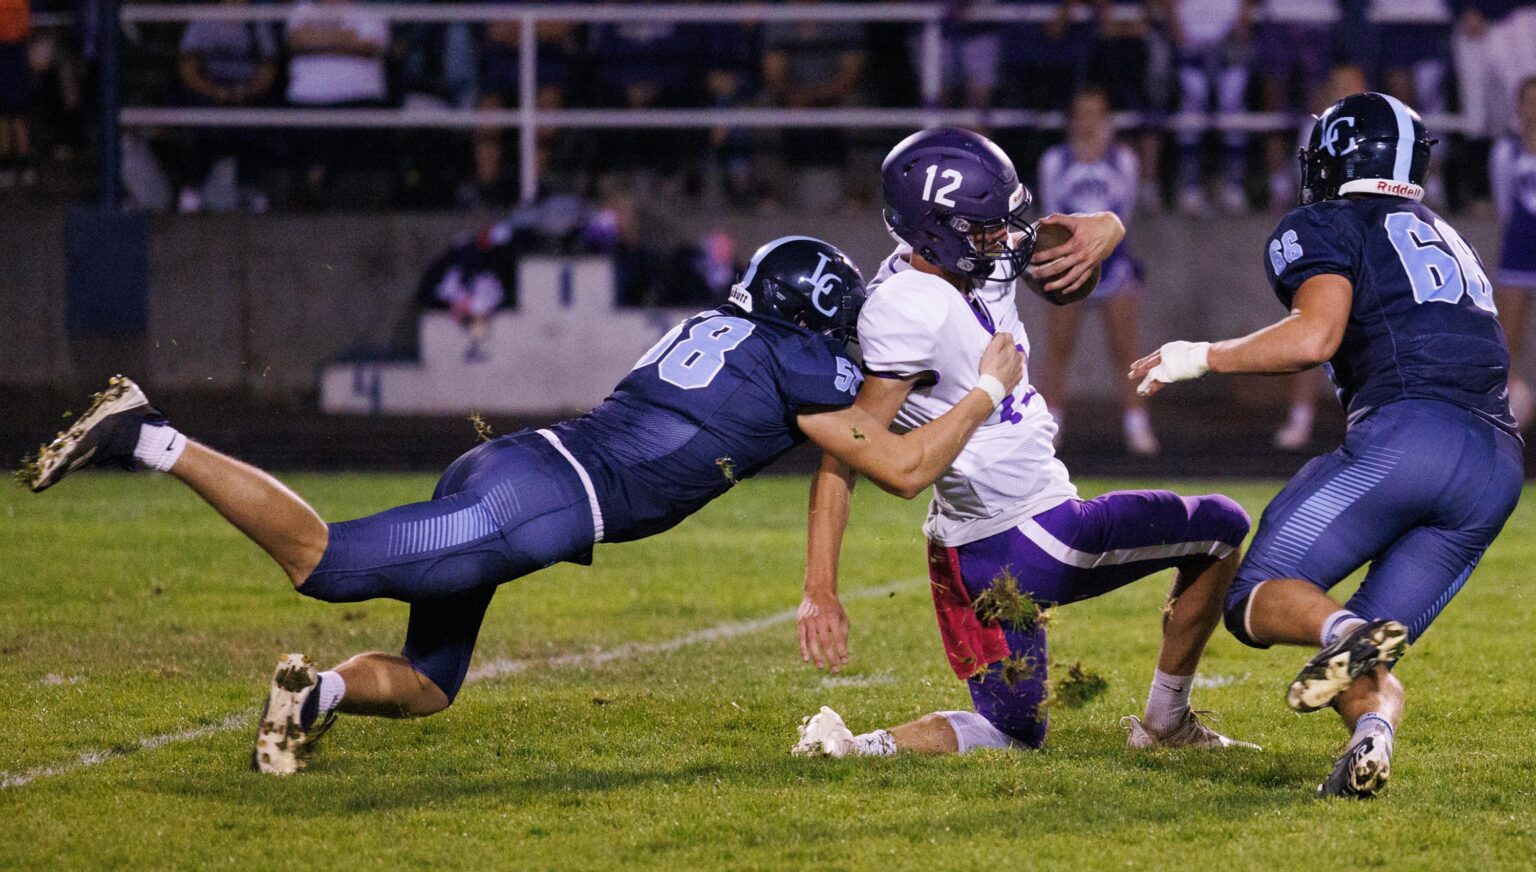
column 506, row 508
column 1419, row 490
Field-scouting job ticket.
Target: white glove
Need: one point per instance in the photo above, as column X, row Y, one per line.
column 1181, row 361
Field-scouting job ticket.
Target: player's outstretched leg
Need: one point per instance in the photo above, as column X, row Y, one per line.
column 107, row 434
column 122, row 429
column 953, row 732
column 1011, row 713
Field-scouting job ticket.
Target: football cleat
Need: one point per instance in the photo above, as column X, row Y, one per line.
column 1190, row 733
column 283, row 744
column 823, row 735
column 105, row 435
column 1331, row 670
column 1362, row 771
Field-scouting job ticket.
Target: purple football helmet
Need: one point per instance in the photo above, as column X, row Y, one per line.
column 955, row 198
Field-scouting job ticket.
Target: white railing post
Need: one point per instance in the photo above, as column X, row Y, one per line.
column 527, row 105
column 931, row 63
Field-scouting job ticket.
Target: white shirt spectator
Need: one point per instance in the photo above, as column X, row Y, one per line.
column 325, row 78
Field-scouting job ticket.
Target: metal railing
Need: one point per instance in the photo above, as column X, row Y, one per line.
column 527, row 118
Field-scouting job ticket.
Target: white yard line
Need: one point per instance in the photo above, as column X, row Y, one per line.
column 485, row 672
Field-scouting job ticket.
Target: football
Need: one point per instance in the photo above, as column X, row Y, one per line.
column 1048, row 236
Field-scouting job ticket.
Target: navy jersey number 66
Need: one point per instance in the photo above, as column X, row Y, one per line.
column 1422, row 324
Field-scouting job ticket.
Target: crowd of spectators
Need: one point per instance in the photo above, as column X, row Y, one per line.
column 1171, row 58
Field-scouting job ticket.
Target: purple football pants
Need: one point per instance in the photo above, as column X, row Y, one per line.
column 1078, row 550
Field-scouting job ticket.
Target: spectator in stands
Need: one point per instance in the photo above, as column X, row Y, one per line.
column 647, row 65
column 336, row 60
column 1044, row 62
column 1513, row 171
column 1129, row 61
column 732, row 52
column 1295, row 434
column 15, row 95
column 1412, row 50
column 1212, row 38
column 1410, row 58
column 1045, row 59
column 808, row 65
column 970, row 50
column 1495, row 50
column 1293, row 51
column 557, row 55
column 434, row 67
column 467, row 281
column 1091, row 172
column 224, row 64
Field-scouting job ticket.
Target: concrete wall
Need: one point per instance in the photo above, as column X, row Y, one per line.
column 262, row 303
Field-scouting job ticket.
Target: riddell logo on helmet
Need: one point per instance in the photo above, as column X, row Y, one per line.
column 1397, row 189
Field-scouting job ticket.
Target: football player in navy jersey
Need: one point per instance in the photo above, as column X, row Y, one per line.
column 715, row 401
column 1390, row 298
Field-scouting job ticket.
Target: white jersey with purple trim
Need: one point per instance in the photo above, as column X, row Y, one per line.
column 918, row 324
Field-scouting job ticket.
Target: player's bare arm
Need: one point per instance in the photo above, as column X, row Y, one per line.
column 1305, row 338
column 907, row 464
column 858, row 440
column 823, row 626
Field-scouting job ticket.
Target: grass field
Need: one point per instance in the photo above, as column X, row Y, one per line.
column 137, row 633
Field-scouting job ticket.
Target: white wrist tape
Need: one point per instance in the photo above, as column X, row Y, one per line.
column 993, row 387
column 1181, row 361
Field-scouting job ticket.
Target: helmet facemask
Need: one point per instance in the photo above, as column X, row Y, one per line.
column 1000, row 249
column 973, row 247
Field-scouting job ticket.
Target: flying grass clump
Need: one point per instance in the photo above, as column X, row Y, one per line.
column 29, row 471
column 727, row 468
column 482, row 429
column 1004, row 603
column 1080, row 687
column 1017, row 670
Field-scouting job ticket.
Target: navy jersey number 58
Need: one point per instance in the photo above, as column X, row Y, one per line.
column 695, row 361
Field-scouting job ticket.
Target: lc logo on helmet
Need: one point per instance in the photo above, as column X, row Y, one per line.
column 821, row 285
column 1335, row 131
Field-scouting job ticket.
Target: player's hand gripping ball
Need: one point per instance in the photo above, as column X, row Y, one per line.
column 1060, row 278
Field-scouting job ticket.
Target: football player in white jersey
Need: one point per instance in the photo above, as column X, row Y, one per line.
column 1007, row 533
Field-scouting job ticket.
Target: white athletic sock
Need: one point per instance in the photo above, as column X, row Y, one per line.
column 1167, row 701
column 160, row 446
column 1373, row 723
column 332, row 688
column 1338, row 625
column 880, row 743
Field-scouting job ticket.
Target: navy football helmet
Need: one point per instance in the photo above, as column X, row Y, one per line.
column 955, row 198
column 1365, row 144
column 806, row 282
